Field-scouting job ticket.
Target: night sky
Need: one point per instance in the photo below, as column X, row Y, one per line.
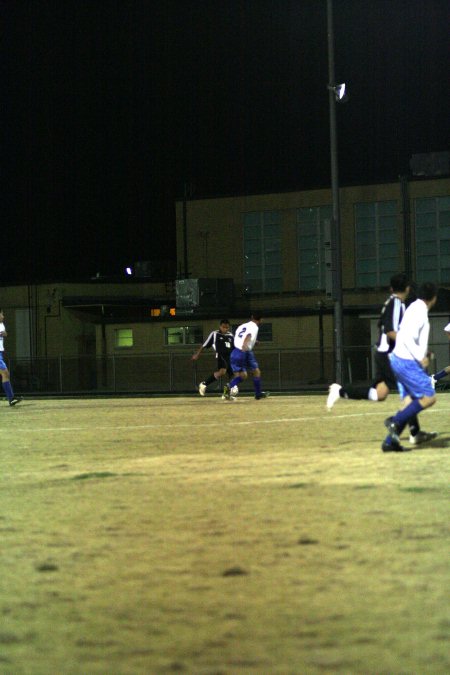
column 109, row 108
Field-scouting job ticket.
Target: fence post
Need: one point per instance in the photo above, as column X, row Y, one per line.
column 114, row 373
column 170, row 371
column 60, row 374
column 349, row 367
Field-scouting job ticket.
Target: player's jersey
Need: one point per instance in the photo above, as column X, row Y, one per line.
column 390, row 318
column 249, row 328
column 412, row 339
column 2, row 328
column 222, row 343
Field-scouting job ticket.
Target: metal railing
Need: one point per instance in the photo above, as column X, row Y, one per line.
column 175, row 372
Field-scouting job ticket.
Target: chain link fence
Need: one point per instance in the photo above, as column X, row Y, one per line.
column 172, row 372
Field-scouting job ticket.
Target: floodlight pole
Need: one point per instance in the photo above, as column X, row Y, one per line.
column 335, row 225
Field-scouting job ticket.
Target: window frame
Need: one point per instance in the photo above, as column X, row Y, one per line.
column 118, row 337
column 376, row 243
column 184, row 330
column 267, row 245
column 322, row 214
column 439, row 245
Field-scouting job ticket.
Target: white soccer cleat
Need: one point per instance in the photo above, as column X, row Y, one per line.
column 234, row 390
column 333, row 394
column 202, row 388
column 423, row 437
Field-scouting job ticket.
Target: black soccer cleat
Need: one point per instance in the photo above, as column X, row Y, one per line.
column 422, row 437
column 15, row 400
column 393, row 429
column 226, row 393
column 263, row 394
column 393, row 447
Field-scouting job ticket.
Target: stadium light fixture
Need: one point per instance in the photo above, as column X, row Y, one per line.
column 340, row 92
column 129, row 271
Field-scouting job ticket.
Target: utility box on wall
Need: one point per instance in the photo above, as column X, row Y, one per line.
column 204, row 294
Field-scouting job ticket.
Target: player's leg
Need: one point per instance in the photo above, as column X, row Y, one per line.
column 239, row 371
column 417, row 383
column 256, row 374
column 234, row 390
column 6, row 384
column 439, row 375
column 378, row 391
column 214, row 377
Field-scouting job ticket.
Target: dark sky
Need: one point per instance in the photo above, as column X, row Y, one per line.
column 108, row 108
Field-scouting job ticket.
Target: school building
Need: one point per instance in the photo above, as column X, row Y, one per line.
column 237, row 254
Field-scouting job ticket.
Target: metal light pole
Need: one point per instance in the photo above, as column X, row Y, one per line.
column 336, row 224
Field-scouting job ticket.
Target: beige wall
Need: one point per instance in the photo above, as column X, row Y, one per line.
column 288, row 333
column 219, row 223
column 56, row 330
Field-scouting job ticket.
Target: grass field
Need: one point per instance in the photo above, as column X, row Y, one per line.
column 162, row 535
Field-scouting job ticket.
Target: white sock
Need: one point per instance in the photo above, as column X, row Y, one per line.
column 373, row 395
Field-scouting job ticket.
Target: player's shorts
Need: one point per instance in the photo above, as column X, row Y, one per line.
column 383, row 370
column 3, row 365
column 223, row 362
column 412, row 380
column 242, row 361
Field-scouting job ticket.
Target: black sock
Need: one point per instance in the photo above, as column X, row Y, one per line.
column 210, row 380
column 414, row 425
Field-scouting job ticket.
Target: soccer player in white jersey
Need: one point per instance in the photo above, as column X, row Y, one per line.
column 389, row 322
column 409, row 361
column 242, row 358
column 4, row 372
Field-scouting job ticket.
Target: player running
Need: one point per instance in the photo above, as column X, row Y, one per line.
column 221, row 341
column 4, row 372
column 243, row 359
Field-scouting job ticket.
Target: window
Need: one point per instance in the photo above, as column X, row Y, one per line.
column 377, row 249
column 433, row 239
column 262, row 252
column 123, row 338
column 311, row 223
column 183, row 335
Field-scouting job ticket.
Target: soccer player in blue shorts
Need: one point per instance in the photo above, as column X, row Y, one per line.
column 409, row 361
column 242, row 358
column 4, row 372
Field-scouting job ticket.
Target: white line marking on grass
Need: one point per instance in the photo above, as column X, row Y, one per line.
column 280, row 420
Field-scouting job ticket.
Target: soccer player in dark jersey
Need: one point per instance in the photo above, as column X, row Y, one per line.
column 388, row 324
column 222, row 342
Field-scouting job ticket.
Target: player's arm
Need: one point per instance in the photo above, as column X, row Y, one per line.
column 391, row 319
column 246, row 343
column 207, row 343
